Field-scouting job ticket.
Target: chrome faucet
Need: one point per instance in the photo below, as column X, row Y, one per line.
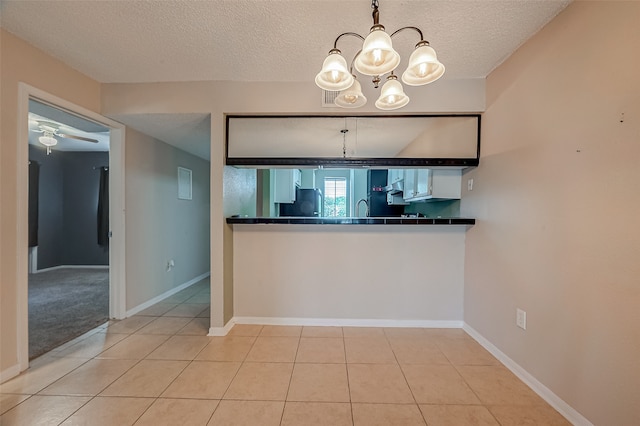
column 366, row 203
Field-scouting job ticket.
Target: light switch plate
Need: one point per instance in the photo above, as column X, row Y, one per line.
column 521, row 319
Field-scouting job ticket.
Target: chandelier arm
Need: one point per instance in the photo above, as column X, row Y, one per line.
column 335, row 43
column 408, row 28
column 353, row 60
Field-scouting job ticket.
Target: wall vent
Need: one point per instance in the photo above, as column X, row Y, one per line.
column 328, row 98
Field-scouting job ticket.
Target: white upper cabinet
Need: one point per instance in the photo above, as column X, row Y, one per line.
column 395, row 175
column 286, row 182
column 427, row 184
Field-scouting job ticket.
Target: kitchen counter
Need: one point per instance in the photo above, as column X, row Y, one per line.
column 350, row 221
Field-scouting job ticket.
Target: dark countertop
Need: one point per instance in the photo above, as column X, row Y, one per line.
column 350, row 221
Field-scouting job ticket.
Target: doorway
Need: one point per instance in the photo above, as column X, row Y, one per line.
column 68, row 226
column 114, row 251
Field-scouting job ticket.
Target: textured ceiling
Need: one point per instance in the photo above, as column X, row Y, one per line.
column 258, row 40
column 132, row 41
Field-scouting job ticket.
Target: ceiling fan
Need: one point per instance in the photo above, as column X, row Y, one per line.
column 50, row 129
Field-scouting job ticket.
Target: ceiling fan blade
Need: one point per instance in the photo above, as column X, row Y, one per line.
column 80, row 138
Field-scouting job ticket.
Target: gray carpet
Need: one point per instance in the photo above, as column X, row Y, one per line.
column 63, row 304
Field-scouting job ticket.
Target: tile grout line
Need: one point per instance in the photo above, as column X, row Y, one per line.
column 404, row 376
column 346, row 367
column 255, row 339
column 293, row 368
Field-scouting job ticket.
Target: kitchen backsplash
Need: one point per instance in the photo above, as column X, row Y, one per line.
column 433, row 209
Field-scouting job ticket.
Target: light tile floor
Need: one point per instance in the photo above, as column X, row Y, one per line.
column 160, row 368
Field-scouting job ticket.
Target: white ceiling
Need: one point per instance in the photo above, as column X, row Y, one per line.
column 130, row 41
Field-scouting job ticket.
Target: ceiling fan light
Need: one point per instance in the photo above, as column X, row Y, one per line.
column 378, row 56
column 48, row 140
column 352, row 97
column 423, row 67
column 334, row 75
column 392, row 95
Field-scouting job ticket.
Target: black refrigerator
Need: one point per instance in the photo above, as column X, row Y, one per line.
column 308, row 204
column 377, row 197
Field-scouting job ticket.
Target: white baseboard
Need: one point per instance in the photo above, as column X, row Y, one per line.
column 544, row 392
column 53, row 268
column 221, row 331
column 347, row 322
column 9, row 373
column 165, row 295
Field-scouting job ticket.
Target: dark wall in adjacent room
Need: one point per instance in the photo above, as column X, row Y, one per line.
column 68, row 203
column 50, row 229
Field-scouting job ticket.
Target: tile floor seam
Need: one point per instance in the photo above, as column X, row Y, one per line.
column 406, row 381
column 293, row 369
column 145, row 410
column 78, row 409
column 86, row 360
column 236, row 373
column 99, row 392
column 346, row 367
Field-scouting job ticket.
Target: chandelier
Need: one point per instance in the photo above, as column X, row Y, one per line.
column 377, row 58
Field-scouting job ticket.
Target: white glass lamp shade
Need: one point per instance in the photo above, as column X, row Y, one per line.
column 352, row 97
column 378, row 56
column 334, row 75
column 392, row 95
column 48, row 140
column 423, row 67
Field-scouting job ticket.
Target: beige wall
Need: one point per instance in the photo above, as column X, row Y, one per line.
column 160, row 227
column 239, row 198
column 21, row 62
column 556, row 197
column 349, row 272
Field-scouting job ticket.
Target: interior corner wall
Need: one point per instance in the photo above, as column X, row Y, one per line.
column 21, row 62
column 160, row 227
column 556, row 200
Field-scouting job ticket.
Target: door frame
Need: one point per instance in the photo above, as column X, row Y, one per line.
column 117, row 277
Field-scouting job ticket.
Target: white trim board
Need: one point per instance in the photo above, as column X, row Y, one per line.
column 141, row 307
column 544, row 392
column 221, row 331
column 347, row 322
column 53, row 268
column 9, row 373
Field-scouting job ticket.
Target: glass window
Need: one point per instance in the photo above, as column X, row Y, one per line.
column 335, row 196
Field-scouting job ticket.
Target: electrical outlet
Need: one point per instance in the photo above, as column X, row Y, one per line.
column 170, row 265
column 521, row 319
column 470, row 184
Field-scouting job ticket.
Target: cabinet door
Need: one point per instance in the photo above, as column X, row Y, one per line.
column 297, row 178
column 395, row 175
column 447, row 184
column 409, row 184
column 423, row 183
column 285, row 186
